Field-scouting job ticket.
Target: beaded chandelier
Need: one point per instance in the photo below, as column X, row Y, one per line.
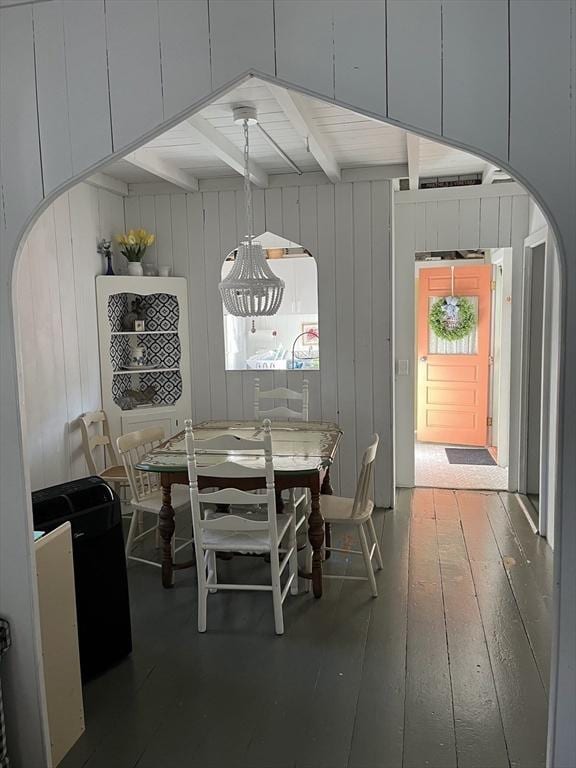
column 250, row 289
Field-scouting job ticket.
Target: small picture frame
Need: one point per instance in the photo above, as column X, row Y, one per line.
column 139, row 325
column 312, row 337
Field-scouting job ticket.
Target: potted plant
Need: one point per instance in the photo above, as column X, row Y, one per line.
column 133, row 246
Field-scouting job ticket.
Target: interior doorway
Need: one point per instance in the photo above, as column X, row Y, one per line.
column 535, row 275
column 462, row 354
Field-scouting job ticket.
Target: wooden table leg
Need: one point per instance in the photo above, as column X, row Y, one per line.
column 316, row 536
column 167, row 527
column 328, row 491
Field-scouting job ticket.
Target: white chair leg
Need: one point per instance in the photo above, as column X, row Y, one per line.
column 202, row 590
column 131, row 532
column 375, row 540
column 276, row 592
column 367, row 561
column 212, row 572
column 293, row 564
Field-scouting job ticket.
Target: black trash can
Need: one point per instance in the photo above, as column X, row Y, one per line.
column 102, row 602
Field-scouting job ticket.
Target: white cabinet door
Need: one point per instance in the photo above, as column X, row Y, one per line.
column 134, row 421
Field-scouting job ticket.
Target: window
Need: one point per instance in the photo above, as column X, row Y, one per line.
column 290, row 339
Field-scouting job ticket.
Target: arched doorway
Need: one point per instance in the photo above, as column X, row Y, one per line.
column 18, row 532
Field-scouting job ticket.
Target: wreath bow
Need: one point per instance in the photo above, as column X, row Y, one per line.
column 450, row 308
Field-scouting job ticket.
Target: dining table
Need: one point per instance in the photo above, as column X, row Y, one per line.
column 303, row 453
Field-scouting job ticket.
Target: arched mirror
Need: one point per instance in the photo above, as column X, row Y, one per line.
column 288, row 340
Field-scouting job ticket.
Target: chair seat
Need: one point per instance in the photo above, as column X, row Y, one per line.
column 242, row 541
column 338, row 509
column 153, row 502
column 116, row 474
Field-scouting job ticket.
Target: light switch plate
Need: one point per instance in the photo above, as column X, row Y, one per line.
column 402, row 368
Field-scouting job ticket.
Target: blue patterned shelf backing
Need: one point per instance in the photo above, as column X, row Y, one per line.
column 161, row 351
column 168, row 386
column 161, row 314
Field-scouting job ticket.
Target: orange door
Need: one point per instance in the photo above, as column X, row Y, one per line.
column 453, row 375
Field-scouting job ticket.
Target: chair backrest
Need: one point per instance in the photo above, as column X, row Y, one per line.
column 95, row 433
column 245, row 461
column 281, row 411
column 132, row 448
column 362, row 496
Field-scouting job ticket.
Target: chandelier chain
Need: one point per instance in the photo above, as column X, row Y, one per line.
column 247, row 184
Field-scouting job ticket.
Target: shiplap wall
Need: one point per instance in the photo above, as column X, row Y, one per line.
column 82, row 80
column 346, row 227
column 495, row 216
column 56, row 317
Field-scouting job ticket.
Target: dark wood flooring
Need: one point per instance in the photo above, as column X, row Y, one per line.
column 448, row 667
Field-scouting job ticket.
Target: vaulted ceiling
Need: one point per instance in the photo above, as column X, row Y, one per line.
column 315, row 135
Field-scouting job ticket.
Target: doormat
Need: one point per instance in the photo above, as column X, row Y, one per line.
column 478, row 456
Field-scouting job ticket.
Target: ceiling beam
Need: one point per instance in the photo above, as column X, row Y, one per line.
column 148, row 160
column 489, row 173
column 413, row 155
column 109, row 183
column 298, row 113
column 226, row 150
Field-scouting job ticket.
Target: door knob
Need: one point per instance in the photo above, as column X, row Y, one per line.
column 423, row 359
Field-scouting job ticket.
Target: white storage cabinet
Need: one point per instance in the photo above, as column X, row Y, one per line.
column 166, row 371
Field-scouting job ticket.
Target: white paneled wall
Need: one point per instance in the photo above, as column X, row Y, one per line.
column 56, row 316
column 494, row 216
column 346, row 227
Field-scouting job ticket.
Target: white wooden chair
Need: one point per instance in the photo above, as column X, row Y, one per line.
column 357, row 512
column 146, row 490
column 96, row 433
column 254, row 532
column 296, row 500
column 281, row 411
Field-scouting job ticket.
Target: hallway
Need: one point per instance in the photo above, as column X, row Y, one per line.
column 448, row 667
column 433, row 470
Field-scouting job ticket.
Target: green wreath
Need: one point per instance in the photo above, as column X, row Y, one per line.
column 450, row 325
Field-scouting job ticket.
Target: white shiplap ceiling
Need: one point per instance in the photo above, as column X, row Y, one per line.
column 352, row 140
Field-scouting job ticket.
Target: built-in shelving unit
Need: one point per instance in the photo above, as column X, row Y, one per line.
column 157, row 392
column 130, row 371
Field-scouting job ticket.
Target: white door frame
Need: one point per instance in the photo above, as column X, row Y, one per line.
column 501, row 384
column 548, row 435
column 405, row 248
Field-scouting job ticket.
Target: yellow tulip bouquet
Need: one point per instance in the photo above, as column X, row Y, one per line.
column 133, row 244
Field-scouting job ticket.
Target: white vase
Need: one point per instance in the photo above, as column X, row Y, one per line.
column 135, row 268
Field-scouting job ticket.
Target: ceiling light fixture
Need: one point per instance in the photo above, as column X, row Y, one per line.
column 251, row 289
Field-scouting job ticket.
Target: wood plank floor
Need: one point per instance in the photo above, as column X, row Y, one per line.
column 448, row 667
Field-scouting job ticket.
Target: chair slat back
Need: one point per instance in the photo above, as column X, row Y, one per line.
column 133, row 447
column 96, row 432
column 363, row 488
column 253, row 461
column 281, row 393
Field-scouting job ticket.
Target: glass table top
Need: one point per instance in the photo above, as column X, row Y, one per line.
column 297, row 447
